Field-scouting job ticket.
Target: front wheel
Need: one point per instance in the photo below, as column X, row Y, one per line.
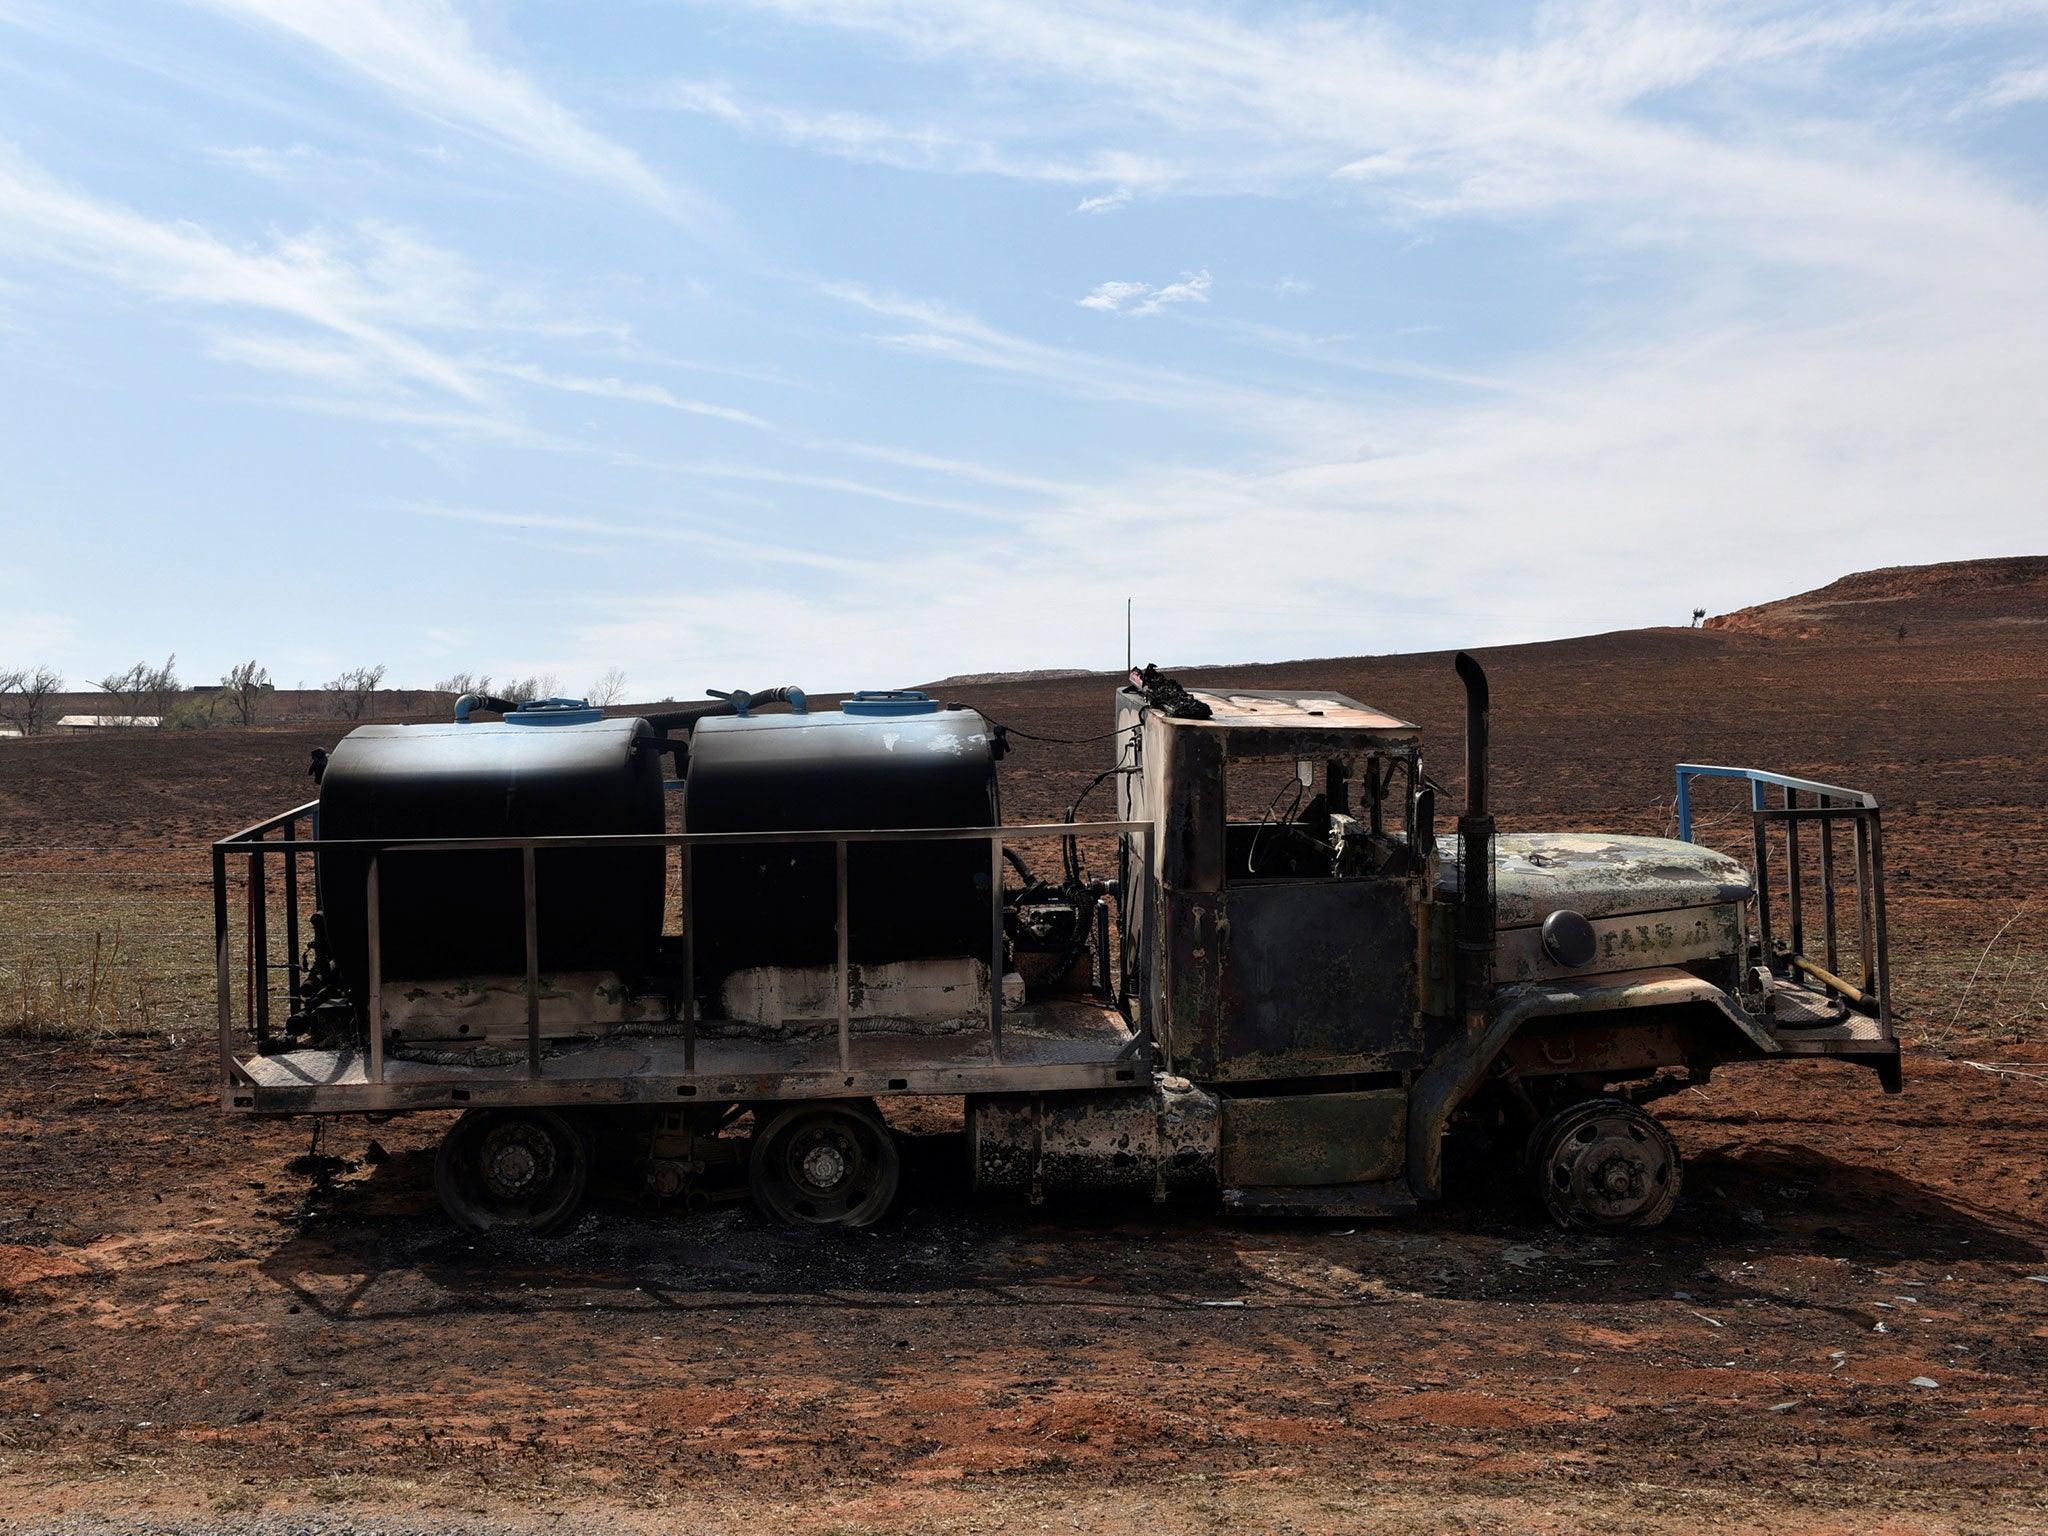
column 824, row 1165
column 524, row 1168
column 1604, row 1163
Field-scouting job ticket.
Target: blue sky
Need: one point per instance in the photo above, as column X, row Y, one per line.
column 855, row 342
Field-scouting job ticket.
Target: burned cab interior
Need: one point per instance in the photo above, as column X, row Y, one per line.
column 1292, row 874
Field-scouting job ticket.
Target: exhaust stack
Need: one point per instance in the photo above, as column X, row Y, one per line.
column 1475, row 857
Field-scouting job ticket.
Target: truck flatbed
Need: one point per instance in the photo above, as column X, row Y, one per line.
column 1061, row 1044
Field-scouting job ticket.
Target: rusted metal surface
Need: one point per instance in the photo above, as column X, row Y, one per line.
column 1049, row 1046
column 1310, row 712
column 1626, row 944
column 1158, row 1141
column 1538, row 873
column 1315, row 1138
column 1614, row 1046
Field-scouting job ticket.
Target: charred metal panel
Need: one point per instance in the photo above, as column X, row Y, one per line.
column 1314, row 970
column 1608, row 1047
column 1597, row 875
column 1347, row 1202
column 1250, row 713
column 1192, row 812
column 1626, row 944
column 1439, row 951
column 1158, row 1141
column 1191, row 1021
column 1315, row 1139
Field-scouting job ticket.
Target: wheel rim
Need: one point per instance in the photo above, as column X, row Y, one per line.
column 1605, row 1164
column 824, row 1165
column 512, row 1168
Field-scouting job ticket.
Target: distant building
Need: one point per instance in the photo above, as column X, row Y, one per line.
column 109, row 722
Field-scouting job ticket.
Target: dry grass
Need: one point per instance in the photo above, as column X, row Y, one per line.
column 1995, row 992
column 88, row 956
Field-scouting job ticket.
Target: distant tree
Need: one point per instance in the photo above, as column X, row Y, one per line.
column 143, row 689
column 459, row 683
column 25, row 697
column 244, row 687
column 608, row 689
column 1698, row 615
column 126, row 687
column 201, row 712
column 161, row 690
column 352, row 693
column 520, row 689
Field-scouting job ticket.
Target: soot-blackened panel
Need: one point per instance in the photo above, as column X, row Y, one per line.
column 1316, row 970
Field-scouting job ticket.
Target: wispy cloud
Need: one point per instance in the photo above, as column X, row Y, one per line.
column 1143, row 299
column 1106, row 203
column 751, row 551
column 947, row 149
column 422, row 53
column 623, row 389
column 1564, row 109
column 959, row 469
column 2014, row 87
column 367, row 305
column 943, row 333
column 304, row 278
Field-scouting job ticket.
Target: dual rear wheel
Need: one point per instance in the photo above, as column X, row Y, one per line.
column 829, row 1163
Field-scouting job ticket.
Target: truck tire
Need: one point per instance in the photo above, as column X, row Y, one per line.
column 826, row 1164
column 524, row 1168
column 1603, row 1162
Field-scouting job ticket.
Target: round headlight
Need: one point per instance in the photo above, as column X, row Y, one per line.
column 1568, row 939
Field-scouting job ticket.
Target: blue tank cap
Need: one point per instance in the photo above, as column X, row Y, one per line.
column 890, row 701
column 554, row 712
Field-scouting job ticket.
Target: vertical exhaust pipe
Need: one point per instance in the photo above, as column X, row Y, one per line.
column 1475, row 857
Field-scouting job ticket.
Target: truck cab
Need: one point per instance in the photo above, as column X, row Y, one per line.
column 1331, row 970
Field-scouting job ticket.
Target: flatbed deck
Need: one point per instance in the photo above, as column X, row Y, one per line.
column 1045, row 1047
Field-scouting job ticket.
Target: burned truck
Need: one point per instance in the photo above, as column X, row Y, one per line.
column 703, row 949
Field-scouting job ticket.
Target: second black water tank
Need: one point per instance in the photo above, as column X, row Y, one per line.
column 776, row 904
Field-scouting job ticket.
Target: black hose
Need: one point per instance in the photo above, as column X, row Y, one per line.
column 669, row 719
column 1058, row 741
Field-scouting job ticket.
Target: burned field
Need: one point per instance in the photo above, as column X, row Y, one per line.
column 198, row 1318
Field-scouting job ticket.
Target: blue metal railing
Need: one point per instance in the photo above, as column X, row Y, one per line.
column 1871, row 993
column 1687, row 772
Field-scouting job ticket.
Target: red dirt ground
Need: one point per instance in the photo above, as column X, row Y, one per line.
column 186, row 1328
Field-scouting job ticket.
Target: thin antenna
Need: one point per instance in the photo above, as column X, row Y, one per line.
column 1127, row 635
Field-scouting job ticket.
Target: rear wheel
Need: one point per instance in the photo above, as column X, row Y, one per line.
column 824, row 1165
column 524, row 1168
column 1604, row 1163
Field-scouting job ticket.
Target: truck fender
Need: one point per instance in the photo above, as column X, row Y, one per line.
column 1461, row 1066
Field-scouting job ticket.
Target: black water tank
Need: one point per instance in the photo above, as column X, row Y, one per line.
column 776, row 904
column 462, row 914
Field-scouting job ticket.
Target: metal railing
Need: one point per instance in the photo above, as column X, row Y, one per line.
column 254, row 843
column 1831, row 805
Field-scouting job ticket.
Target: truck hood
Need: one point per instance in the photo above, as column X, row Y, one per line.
column 1596, row 875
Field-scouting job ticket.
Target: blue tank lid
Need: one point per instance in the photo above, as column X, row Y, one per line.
column 554, row 712
column 890, row 701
